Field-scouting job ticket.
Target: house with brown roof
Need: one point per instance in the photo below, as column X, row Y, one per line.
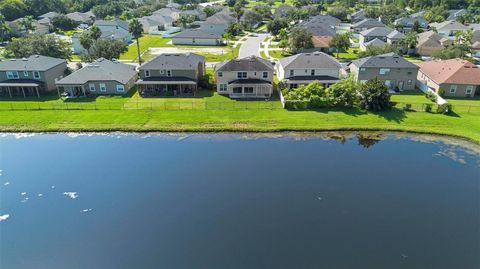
column 455, row 77
column 430, row 42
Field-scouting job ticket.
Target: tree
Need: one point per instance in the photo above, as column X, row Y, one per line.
column 4, row 28
column 283, row 44
column 274, row 26
column 234, row 28
column 300, row 39
column 251, row 18
column 456, row 51
column 341, row 42
column 95, row 32
column 86, row 40
column 374, row 96
column 136, row 29
column 264, row 10
column 62, row 22
column 26, row 24
column 238, row 10
column 343, row 93
column 209, row 11
column 378, row 50
column 105, row 48
column 410, row 42
column 47, row 45
column 338, row 12
column 227, row 36
column 186, row 20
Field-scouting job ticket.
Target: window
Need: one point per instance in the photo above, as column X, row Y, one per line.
column 147, row 73
column 255, row 73
column 220, row 74
column 36, row 75
column 363, row 69
column 91, row 86
column 469, row 89
column 388, row 83
column 237, row 90
column 25, row 73
column 103, row 88
column 162, row 71
column 265, row 74
column 409, row 72
column 12, row 75
column 242, row 75
column 306, row 71
column 120, row 88
column 193, row 40
column 291, row 72
column 312, row 73
column 384, row 71
column 169, row 73
column 223, row 87
column 248, row 90
column 453, row 88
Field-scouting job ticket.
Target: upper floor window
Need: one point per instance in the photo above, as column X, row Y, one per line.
column 147, row 73
column 36, row 75
column 291, row 72
column 312, row 72
column 25, row 73
column 220, row 74
column 169, row 73
column 453, row 88
column 12, row 75
column 242, row 75
column 384, row 71
column 363, row 69
column 265, row 74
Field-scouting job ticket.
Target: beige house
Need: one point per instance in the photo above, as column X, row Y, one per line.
column 431, row 42
column 101, row 77
column 397, row 73
column 456, row 77
column 249, row 77
column 30, row 76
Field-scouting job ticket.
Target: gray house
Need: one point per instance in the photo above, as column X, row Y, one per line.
column 396, row 72
column 116, row 29
column 405, row 24
column 366, row 24
column 375, row 34
column 217, row 23
column 97, row 78
column 30, row 76
column 171, row 74
column 197, row 37
column 249, row 77
column 304, row 68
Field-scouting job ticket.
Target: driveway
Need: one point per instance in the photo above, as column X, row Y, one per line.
column 251, row 46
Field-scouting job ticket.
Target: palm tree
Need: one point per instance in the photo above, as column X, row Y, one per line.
column 136, row 29
column 410, row 41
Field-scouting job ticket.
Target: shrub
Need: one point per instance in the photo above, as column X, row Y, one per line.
column 444, row 108
column 374, row 95
column 407, row 107
column 441, row 92
column 431, row 96
column 427, row 108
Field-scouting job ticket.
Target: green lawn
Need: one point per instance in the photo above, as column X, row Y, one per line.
column 204, row 113
column 146, row 41
column 348, row 55
column 278, row 54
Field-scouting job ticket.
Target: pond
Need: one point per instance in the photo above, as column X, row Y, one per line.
column 339, row 200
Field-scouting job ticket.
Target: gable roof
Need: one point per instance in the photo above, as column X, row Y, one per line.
column 101, row 70
column 250, row 63
column 310, row 60
column 321, row 30
column 395, row 35
column 220, row 18
column 48, row 15
column 376, row 43
column 377, row 31
column 197, row 33
column 114, row 23
column 429, row 39
column 32, row 63
column 155, row 20
column 410, row 21
column 368, row 23
column 282, row 11
column 449, row 25
column 454, row 71
column 388, row 60
column 176, row 61
column 81, row 17
column 320, row 20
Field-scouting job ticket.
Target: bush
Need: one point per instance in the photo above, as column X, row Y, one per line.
column 441, row 92
column 374, row 95
column 444, row 108
column 431, row 96
column 407, row 107
column 427, row 108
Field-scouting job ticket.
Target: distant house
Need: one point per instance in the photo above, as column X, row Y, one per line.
column 196, row 13
column 395, row 37
column 283, row 11
column 82, row 18
column 197, row 37
column 396, row 72
column 98, row 78
column 116, row 29
column 454, row 13
column 304, row 68
column 48, row 15
column 173, row 13
column 42, row 26
column 250, row 77
column 366, row 24
column 323, row 29
column 431, row 42
column 358, row 16
column 332, row 22
column 155, row 23
column 171, row 74
column 217, row 23
column 456, row 77
column 405, row 24
column 30, row 76
column 377, row 36
column 448, row 28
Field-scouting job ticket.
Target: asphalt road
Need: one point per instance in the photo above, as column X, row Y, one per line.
column 251, row 46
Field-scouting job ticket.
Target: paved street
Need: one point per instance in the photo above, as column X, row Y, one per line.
column 251, row 46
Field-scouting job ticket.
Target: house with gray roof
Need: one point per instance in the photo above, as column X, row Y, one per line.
column 366, row 24
column 101, row 77
column 396, row 72
column 395, row 37
column 250, row 77
column 48, row 15
column 171, row 74
column 173, row 13
column 304, row 68
column 358, row 16
column 156, row 24
column 448, row 28
column 454, row 13
column 405, row 24
column 32, row 76
column 116, row 29
column 198, row 14
column 82, row 18
column 217, row 23
column 283, row 11
column 377, row 33
column 197, row 37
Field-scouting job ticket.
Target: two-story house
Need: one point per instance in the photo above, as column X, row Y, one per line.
column 366, row 24
column 304, row 68
column 30, row 76
column 396, row 72
column 448, row 28
column 116, row 29
column 375, row 36
column 101, row 77
column 249, row 77
column 171, row 74
column 454, row 77
column 405, row 24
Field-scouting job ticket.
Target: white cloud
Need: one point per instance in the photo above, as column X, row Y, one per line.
column 71, row 194
column 4, row 217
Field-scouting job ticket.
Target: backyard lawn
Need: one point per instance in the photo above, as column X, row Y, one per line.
column 278, row 54
column 347, row 55
column 146, row 41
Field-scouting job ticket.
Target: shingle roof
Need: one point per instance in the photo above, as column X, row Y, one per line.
column 220, row 18
column 320, row 20
column 430, row 39
column 395, row 35
column 50, row 14
column 310, row 60
column 321, row 30
column 448, row 25
column 388, row 60
column 32, row 63
column 377, row 31
column 177, row 61
column 101, row 70
column 321, row 41
column 116, row 22
column 197, row 33
column 250, row 63
column 376, row 43
column 368, row 23
column 454, row 71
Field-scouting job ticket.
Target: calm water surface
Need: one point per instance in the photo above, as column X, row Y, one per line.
column 230, row 201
